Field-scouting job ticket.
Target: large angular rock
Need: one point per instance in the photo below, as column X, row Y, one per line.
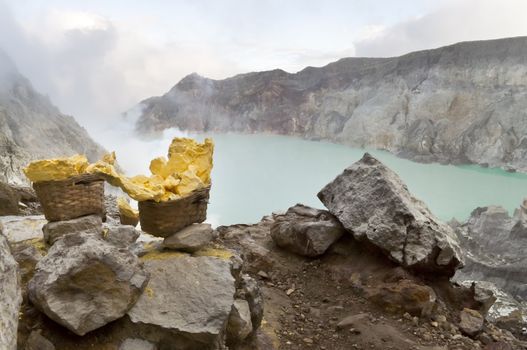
column 9, row 199
column 85, row 282
column 91, row 224
column 306, row 231
column 239, row 325
column 250, row 290
column 120, row 235
column 190, row 239
column 374, row 204
column 10, row 297
column 471, row 322
column 21, row 228
column 187, row 301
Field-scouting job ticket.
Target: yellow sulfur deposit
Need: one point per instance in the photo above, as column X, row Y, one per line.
column 125, row 209
column 187, row 168
column 56, row 169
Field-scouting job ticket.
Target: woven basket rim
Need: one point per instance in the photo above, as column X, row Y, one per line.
column 191, row 194
column 72, row 179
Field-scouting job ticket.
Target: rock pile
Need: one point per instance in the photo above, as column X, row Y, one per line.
column 372, row 272
column 86, row 276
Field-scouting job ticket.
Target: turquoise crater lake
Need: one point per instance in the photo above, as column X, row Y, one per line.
column 255, row 175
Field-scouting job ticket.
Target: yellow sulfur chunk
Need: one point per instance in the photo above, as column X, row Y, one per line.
column 189, row 182
column 158, row 165
column 171, row 183
column 188, row 168
column 125, row 209
column 185, row 152
column 56, row 169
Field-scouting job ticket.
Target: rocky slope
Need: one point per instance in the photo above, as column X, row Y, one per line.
column 32, row 128
column 464, row 103
column 303, row 279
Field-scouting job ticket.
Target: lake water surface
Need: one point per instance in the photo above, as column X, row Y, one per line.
column 255, row 175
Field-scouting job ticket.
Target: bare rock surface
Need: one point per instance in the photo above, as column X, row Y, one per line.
column 83, row 282
column 190, row 239
column 306, row 231
column 372, row 202
column 10, row 297
column 90, row 224
column 495, row 243
column 187, row 301
column 120, row 235
column 21, row 228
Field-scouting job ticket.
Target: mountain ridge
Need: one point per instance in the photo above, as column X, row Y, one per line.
column 31, row 127
column 460, row 103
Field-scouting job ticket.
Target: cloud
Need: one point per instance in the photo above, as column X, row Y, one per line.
column 453, row 22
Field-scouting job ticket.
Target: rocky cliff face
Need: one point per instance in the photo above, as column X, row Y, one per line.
column 32, row 128
column 465, row 103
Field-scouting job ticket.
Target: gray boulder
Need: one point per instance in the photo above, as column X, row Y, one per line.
column 306, row 231
column 239, row 325
column 249, row 290
column 91, row 224
column 190, row 239
column 471, row 322
column 10, row 297
column 9, row 199
column 372, row 202
column 120, row 235
column 21, row 228
column 187, row 301
column 84, row 282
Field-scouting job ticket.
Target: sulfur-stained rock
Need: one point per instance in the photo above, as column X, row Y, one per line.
column 84, row 282
column 403, row 296
column 190, row 239
column 10, row 297
column 90, row 224
column 187, row 301
column 27, row 254
column 306, row 231
column 372, row 202
column 239, row 325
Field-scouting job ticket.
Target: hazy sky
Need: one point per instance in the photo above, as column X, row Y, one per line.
column 98, row 58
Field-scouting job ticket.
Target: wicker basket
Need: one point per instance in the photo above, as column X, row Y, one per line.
column 166, row 218
column 71, row 198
